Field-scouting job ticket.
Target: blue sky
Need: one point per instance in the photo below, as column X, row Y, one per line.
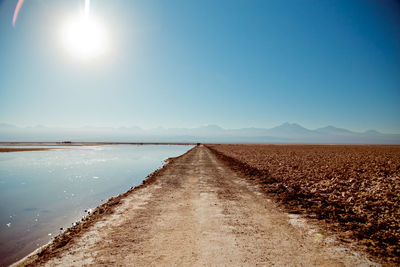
column 184, row 63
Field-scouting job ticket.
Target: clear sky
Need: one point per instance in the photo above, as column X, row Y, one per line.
column 186, row 63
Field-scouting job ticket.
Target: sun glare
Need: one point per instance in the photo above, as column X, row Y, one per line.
column 84, row 37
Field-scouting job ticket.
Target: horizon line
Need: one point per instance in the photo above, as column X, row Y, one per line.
column 196, row 127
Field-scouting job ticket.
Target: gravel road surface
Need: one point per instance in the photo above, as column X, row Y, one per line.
column 200, row 213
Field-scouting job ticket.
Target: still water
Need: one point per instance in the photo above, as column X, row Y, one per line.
column 43, row 191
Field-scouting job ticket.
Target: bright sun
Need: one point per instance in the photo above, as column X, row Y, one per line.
column 84, row 37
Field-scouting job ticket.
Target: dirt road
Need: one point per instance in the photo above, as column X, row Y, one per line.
column 198, row 212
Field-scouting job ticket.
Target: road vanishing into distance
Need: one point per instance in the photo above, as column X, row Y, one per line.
column 198, row 212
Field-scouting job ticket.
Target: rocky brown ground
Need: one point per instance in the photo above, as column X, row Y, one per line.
column 354, row 188
column 196, row 212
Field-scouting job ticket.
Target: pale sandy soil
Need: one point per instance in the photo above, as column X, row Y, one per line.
column 22, row 149
column 200, row 213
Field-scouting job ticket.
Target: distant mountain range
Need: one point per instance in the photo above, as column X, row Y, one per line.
column 285, row 133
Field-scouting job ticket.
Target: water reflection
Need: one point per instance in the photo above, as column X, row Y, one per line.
column 42, row 192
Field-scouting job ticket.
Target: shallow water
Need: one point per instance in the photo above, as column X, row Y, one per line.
column 43, row 191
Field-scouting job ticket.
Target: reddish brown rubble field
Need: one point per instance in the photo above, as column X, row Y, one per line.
column 355, row 189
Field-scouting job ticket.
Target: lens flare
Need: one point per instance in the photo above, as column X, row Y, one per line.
column 87, row 8
column 16, row 11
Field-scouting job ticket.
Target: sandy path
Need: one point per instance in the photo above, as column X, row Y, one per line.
column 200, row 213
